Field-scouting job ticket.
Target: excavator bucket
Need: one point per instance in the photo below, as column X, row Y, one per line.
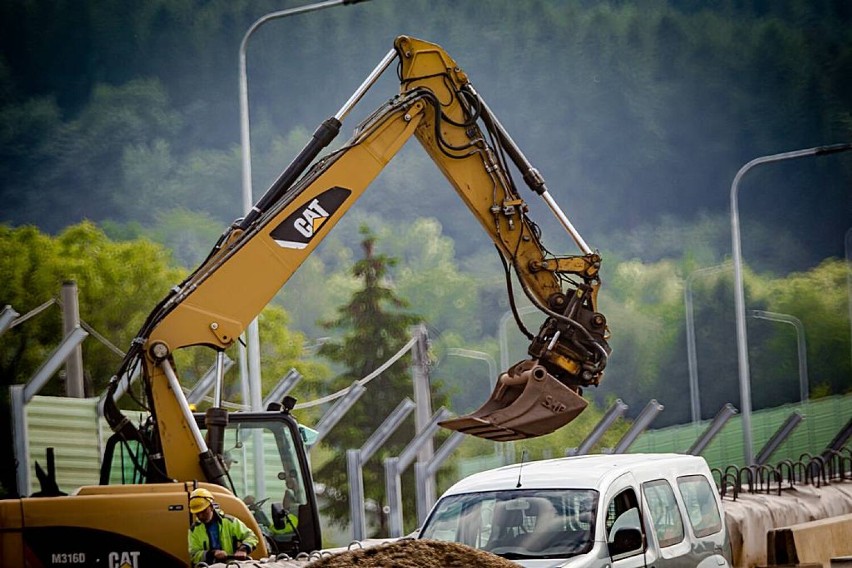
column 527, row 402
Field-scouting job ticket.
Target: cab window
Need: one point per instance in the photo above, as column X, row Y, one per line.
column 700, row 501
column 623, row 525
column 665, row 515
column 125, row 463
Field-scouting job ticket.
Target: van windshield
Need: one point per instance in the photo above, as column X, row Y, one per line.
column 521, row 523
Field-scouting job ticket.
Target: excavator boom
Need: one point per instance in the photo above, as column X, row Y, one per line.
column 439, row 106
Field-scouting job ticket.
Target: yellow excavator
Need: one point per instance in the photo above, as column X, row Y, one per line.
column 139, row 515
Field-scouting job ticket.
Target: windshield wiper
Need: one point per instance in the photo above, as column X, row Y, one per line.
column 516, row 555
column 521, row 555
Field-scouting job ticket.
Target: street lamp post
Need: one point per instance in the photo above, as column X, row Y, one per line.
column 252, row 336
column 739, row 291
column 800, row 344
column 692, row 358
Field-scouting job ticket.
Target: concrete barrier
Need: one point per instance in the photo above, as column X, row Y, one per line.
column 751, row 517
column 814, row 542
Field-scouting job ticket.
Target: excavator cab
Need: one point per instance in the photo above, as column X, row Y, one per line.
column 266, row 466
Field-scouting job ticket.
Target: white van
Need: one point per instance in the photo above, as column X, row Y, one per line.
column 624, row 511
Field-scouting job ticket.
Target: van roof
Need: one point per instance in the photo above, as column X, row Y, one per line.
column 577, row 472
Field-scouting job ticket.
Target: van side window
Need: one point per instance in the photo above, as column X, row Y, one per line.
column 668, row 524
column 623, row 525
column 700, row 501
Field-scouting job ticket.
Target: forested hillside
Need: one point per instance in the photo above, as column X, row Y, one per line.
column 123, row 110
column 638, row 114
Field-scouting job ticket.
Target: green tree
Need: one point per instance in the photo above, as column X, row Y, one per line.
column 117, row 283
column 431, row 280
column 374, row 327
column 819, row 299
column 189, row 234
column 643, row 304
column 87, row 152
column 25, row 129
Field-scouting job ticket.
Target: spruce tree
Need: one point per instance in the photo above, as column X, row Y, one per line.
column 374, row 326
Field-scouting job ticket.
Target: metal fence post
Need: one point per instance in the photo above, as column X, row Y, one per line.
column 20, row 438
column 394, row 466
column 284, row 386
column 74, row 387
column 615, row 412
column 422, row 395
column 778, row 438
column 719, row 421
column 642, row 422
column 22, row 394
column 355, row 460
column 330, row 419
column 354, row 475
column 423, row 471
column 7, row 317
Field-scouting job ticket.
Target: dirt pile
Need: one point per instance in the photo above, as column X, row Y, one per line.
column 414, row 553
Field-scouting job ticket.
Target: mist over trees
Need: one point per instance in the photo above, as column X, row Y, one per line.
column 638, row 114
column 118, row 110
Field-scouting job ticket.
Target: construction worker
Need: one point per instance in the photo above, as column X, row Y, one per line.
column 215, row 536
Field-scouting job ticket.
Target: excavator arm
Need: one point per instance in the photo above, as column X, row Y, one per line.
column 438, row 105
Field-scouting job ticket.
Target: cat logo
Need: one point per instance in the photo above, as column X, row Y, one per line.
column 297, row 230
column 124, row 559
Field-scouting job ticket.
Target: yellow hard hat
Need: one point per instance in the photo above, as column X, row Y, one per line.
column 199, row 500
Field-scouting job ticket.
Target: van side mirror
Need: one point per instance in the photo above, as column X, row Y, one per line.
column 625, row 540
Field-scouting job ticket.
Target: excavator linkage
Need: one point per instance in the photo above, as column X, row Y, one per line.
column 527, row 402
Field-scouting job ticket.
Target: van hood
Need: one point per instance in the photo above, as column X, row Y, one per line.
column 550, row 563
column 583, row 561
